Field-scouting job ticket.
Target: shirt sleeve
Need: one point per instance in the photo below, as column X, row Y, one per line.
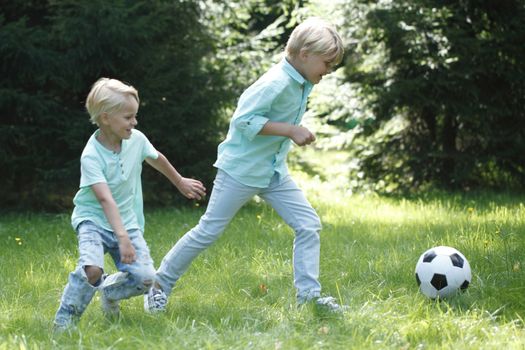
column 142, row 145
column 91, row 171
column 148, row 150
column 253, row 109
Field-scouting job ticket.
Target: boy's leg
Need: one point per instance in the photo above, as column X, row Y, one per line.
column 291, row 204
column 132, row 279
column 227, row 197
column 78, row 291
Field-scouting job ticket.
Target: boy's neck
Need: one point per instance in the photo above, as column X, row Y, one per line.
column 108, row 141
column 296, row 63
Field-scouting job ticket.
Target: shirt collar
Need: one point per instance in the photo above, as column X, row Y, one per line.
column 288, row 68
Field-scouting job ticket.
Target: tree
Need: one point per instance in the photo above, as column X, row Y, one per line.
column 445, row 82
column 189, row 60
column 53, row 53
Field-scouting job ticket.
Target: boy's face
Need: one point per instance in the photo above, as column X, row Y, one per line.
column 121, row 122
column 315, row 66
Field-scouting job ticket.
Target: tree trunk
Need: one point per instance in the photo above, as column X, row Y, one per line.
column 449, row 150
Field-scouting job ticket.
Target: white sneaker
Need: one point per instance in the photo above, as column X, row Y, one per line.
column 155, row 301
column 329, row 304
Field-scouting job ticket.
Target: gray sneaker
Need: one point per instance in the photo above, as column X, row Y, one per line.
column 110, row 307
column 329, row 304
column 65, row 321
column 60, row 329
column 155, row 301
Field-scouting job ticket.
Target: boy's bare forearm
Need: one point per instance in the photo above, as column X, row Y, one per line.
column 103, row 195
column 113, row 216
column 190, row 188
column 299, row 134
column 276, row 129
column 163, row 166
column 110, row 208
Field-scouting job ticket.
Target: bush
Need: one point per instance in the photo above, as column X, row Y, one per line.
column 51, row 55
column 444, row 81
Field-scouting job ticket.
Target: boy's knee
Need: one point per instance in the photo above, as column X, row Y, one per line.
column 312, row 224
column 207, row 231
column 93, row 274
column 147, row 281
column 316, row 224
column 145, row 277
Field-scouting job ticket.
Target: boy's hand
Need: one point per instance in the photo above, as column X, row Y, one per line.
column 127, row 251
column 301, row 135
column 191, row 188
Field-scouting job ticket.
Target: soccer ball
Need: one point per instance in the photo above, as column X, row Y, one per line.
column 441, row 272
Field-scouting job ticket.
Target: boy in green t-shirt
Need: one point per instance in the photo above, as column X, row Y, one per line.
column 108, row 214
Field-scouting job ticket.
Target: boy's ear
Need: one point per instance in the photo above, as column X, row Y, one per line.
column 104, row 118
column 303, row 54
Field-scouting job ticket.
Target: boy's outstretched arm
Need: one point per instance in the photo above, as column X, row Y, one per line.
column 105, row 198
column 190, row 188
column 299, row 134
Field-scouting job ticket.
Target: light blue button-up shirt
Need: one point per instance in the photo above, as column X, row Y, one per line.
column 280, row 95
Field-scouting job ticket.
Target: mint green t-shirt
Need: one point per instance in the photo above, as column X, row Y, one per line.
column 121, row 171
column 280, row 95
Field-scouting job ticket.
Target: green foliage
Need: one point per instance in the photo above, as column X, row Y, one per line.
column 189, row 60
column 249, row 36
column 450, row 75
column 50, row 57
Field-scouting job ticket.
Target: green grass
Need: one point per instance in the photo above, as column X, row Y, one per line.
column 239, row 295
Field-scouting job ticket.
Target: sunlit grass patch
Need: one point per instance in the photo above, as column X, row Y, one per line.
column 239, row 293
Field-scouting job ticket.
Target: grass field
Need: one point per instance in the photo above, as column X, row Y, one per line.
column 239, row 295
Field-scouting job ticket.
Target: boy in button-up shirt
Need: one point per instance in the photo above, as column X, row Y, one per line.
column 252, row 161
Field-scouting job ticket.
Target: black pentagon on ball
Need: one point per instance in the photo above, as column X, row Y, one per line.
column 429, row 256
column 439, row 281
column 418, row 280
column 464, row 285
column 457, row 260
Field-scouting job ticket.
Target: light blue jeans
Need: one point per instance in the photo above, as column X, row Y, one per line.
column 227, row 197
column 93, row 243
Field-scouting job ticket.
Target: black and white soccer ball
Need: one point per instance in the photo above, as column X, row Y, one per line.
column 442, row 272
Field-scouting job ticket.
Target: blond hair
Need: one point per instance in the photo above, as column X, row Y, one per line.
column 318, row 37
column 108, row 96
